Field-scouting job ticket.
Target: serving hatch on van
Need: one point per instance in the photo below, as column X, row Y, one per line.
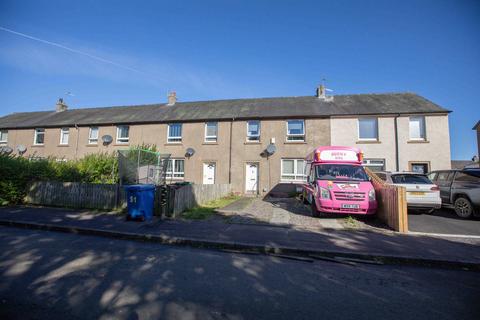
column 337, row 182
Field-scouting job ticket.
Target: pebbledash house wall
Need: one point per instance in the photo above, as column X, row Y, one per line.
column 317, row 132
column 434, row 150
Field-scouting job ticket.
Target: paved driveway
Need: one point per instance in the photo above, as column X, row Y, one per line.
column 443, row 221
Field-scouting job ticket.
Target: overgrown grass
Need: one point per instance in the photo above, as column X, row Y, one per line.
column 207, row 210
column 350, row 222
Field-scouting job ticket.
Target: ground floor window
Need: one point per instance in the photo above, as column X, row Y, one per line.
column 293, row 170
column 374, row 164
column 419, row 167
column 3, row 136
column 175, row 169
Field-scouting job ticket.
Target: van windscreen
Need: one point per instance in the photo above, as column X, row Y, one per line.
column 340, row 172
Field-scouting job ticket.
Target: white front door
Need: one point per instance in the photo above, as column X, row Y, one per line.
column 251, row 177
column 209, row 173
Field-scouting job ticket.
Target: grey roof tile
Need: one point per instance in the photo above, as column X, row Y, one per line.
column 283, row 107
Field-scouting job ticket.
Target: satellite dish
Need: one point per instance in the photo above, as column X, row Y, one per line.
column 271, row 148
column 107, row 139
column 6, row 150
column 21, row 149
column 189, row 152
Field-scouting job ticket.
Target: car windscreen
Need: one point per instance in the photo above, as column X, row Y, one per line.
column 340, row 172
column 410, row 179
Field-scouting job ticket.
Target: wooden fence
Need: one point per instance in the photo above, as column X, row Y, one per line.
column 76, row 195
column 112, row 196
column 392, row 203
column 190, row 196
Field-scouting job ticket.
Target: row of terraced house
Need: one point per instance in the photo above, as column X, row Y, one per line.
column 396, row 131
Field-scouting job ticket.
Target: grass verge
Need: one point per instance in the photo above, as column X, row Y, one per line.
column 208, row 209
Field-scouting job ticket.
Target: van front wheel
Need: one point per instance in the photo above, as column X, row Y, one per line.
column 305, row 198
column 315, row 212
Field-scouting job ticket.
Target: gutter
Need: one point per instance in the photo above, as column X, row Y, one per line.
column 76, row 144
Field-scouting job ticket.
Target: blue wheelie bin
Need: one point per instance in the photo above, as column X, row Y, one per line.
column 140, row 198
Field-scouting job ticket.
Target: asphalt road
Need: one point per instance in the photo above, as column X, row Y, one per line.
column 48, row 275
column 443, row 221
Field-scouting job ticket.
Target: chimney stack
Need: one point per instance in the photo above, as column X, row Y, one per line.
column 61, row 106
column 172, row 98
column 322, row 93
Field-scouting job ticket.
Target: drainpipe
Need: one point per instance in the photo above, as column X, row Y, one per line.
column 230, row 154
column 396, row 143
column 76, row 144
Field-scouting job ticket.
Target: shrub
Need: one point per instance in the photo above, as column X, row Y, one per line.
column 16, row 172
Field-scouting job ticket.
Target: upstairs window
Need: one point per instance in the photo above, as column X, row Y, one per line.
column 417, row 128
column 295, row 130
column 93, row 135
column 174, row 133
column 39, row 137
column 64, row 133
column 253, row 130
column 368, row 129
column 3, row 136
column 211, row 129
column 123, row 134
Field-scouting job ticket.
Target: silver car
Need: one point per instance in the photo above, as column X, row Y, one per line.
column 422, row 194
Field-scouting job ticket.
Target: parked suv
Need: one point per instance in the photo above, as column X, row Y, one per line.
column 459, row 189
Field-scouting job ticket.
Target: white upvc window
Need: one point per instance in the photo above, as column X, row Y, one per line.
column 39, row 137
column 293, row 170
column 174, row 133
column 64, row 134
column 123, row 134
column 417, row 128
column 211, row 131
column 295, row 130
column 93, row 135
column 3, row 136
column 175, row 169
column 253, row 130
column 368, row 129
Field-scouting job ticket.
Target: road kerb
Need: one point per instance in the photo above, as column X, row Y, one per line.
column 249, row 247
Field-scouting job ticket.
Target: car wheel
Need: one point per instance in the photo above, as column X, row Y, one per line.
column 315, row 212
column 463, row 207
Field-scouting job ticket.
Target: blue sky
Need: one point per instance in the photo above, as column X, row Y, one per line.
column 238, row 49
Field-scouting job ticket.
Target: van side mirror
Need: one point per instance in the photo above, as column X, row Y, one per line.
column 308, row 179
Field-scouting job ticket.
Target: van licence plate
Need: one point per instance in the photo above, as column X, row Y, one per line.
column 350, row 206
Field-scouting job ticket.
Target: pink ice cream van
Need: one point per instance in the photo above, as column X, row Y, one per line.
column 337, row 182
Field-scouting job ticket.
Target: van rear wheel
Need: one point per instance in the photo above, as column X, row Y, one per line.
column 463, row 208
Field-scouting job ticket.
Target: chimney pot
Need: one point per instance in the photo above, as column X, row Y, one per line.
column 172, row 98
